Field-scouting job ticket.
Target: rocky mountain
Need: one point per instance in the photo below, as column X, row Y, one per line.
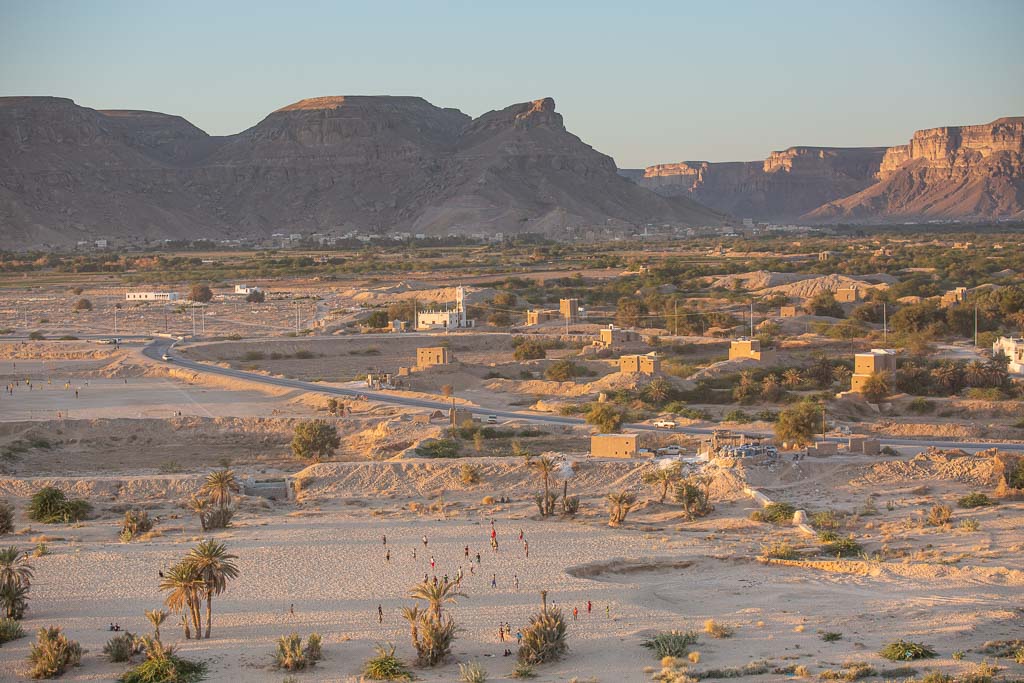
column 957, row 172
column 785, row 185
column 328, row 164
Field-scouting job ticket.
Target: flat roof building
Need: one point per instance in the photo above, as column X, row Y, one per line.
column 613, row 445
column 430, row 356
column 150, row 296
column 870, row 363
column 1012, row 348
column 569, row 309
column 746, row 348
column 646, row 364
column 536, row 316
column 446, row 319
column 611, row 336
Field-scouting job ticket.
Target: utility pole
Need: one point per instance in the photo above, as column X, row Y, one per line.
column 115, row 320
column 751, row 319
column 975, row 325
column 193, row 318
column 675, row 314
column 885, row 324
column 823, row 420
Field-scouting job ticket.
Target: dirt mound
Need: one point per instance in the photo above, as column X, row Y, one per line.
column 931, row 465
column 757, row 279
column 73, row 350
column 410, row 290
column 805, row 289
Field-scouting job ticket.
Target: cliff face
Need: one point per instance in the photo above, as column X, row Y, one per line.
column 957, row 172
column 330, row 163
column 785, row 185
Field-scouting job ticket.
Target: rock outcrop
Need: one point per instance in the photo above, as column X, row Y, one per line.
column 957, row 172
column 787, row 184
column 327, row 164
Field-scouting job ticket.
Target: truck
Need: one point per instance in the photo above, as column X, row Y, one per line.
column 664, row 424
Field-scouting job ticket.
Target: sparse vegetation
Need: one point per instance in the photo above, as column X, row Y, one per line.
column 385, row 666
column 774, row 513
column 717, row 630
column 432, row 631
column 975, row 500
column 49, row 505
column 10, row 629
column 135, row 522
column 905, row 651
column 619, row 505
column 779, row 550
column 6, row 518
column 472, row 672
column 53, row 653
column 939, row 515
column 122, row 647
column 671, row 643
column 545, row 638
column 842, row 547
column 314, row 440
column 292, row 655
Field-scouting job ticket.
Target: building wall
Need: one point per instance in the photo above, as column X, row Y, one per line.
column 538, row 316
column 569, row 309
column 847, row 295
column 787, row 312
column 613, row 445
column 744, row 349
column 1013, row 349
column 645, row 364
column 610, row 337
column 432, row 355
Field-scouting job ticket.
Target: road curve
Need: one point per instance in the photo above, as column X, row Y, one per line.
column 159, row 347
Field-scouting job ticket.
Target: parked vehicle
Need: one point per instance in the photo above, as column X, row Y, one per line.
column 664, row 424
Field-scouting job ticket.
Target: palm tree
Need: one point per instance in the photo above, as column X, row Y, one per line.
column 413, row 615
column 663, row 477
column 619, row 505
column 14, row 599
column 976, row 374
column 184, row 587
column 14, row 567
column 212, row 563
column 545, row 465
column 156, row 617
column 792, row 378
column 949, row 376
column 658, row 390
column 200, row 507
column 435, row 595
column 219, row 486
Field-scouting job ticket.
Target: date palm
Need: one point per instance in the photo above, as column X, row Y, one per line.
column 792, row 378
column 14, row 567
column 435, row 595
column 545, row 466
column 662, row 477
column 184, row 587
column 156, row 617
column 219, row 487
column 619, row 505
column 212, row 563
column 976, row 374
column 658, row 390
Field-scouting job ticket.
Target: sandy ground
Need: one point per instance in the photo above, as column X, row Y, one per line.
column 325, row 555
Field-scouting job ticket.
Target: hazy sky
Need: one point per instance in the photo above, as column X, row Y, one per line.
column 647, row 82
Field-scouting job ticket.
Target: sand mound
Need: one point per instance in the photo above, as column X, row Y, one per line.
column 931, row 465
column 409, row 290
column 622, row 566
column 807, row 288
column 757, row 279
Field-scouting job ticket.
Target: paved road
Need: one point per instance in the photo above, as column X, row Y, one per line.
column 159, row 347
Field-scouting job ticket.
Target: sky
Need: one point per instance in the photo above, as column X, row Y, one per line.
column 646, row 82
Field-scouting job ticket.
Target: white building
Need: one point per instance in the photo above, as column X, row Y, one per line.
column 447, row 319
column 1013, row 349
column 246, row 289
column 150, row 296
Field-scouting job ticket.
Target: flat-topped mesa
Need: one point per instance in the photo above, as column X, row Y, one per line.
column 857, row 162
column 950, row 146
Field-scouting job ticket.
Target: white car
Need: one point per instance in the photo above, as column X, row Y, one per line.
column 664, row 424
column 165, row 357
column 672, row 449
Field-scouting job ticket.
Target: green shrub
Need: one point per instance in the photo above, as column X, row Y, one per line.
column 842, row 547
column 385, row 666
column 522, row 670
column 737, row 416
column 921, row 405
column 49, row 505
column 439, row 448
column 774, row 513
column 851, row 671
column 905, row 651
column 671, row 643
column 544, row 639
column 6, row 517
column 135, row 522
column 825, row 519
column 291, row 655
column 163, row 666
column 975, row 500
column 831, row 636
column 122, row 647
column 10, row 629
column 970, row 525
column 52, row 653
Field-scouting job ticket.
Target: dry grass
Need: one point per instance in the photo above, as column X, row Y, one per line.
column 716, row 630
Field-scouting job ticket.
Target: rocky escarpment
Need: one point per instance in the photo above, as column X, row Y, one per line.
column 957, row 172
column 785, row 185
column 327, row 164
